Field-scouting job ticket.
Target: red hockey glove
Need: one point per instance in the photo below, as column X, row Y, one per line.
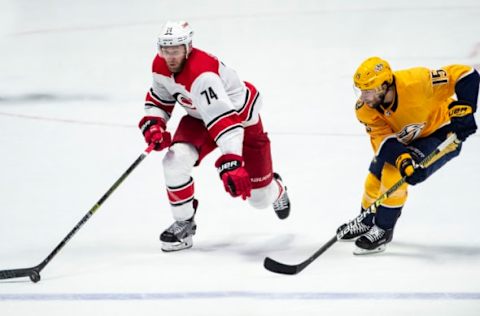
column 153, row 129
column 234, row 176
column 462, row 119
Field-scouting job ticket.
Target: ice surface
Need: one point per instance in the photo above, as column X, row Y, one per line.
column 73, row 75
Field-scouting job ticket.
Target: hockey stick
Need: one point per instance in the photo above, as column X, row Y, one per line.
column 278, row 267
column 34, row 272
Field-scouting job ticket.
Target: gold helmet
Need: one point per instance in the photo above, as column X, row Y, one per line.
column 372, row 73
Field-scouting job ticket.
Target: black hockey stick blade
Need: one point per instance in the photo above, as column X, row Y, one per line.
column 33, row 273
column 282, row 268
column 278, row 267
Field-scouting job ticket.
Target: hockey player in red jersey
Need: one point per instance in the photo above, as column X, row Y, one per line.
column 222, row 111
column 407, row 114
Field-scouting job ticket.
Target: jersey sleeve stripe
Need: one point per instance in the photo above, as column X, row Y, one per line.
column 157, row 99
column 225, row 131
column 167, row 110
column 246, row 111
column 247, row 97
column 250, row 112
column 223, row 124
column 221, row 117
column 167, row 107
column 154, row 110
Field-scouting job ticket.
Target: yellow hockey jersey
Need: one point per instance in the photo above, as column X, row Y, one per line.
column 420, row 106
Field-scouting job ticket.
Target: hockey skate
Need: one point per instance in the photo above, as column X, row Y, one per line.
column 179, row 235
column 356, row 229
column 282, row 204
column 375, row 240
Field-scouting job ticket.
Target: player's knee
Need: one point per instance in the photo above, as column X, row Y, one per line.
column 396, row 200
column 179, row 160
column 390, row 176
column 372, row 185
column 371, row 190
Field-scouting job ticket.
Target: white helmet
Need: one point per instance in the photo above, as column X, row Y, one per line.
column 176, row 33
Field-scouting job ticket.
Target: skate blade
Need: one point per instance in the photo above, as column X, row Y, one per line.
column 176, row 246
column 360, row 251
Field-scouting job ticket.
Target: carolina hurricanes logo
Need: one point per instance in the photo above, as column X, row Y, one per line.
column 184, row 101
column 410, row 132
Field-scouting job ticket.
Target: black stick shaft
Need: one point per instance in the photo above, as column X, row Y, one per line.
column 94, row 208
column 14, row 273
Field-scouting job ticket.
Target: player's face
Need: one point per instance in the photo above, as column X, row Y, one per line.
column 373, row 97
column 175, row 57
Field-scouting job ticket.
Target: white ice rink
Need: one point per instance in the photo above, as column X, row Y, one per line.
column 73, row 76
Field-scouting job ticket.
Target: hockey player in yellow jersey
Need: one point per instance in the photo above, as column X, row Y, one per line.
column 407, row 114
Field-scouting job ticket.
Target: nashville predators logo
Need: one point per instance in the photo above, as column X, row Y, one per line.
column 378, row 67
column 410, row 132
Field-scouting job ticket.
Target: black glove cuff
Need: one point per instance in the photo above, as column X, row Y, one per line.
column 147, row 124
column 458, row 109
column 229, row 166
column 228, row 163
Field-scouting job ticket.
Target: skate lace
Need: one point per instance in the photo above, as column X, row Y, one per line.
column 375, row 233
column 281, row 203
column 358, row 228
